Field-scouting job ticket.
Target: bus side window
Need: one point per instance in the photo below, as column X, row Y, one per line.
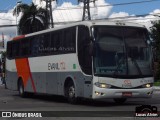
column 15, row 49
column 52, row 45
column 34, row 46
column 25, row 47
column 69, row 40
column 72, row 41
column 84, row 56
column 9, row 50
column 44, row 44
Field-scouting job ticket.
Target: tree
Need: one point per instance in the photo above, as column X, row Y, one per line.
column 32, row 20
column 155, row 34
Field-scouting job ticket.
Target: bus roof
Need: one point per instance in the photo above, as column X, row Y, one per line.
column 86, row 23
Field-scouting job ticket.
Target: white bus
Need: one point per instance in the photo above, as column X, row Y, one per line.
column 90, row 59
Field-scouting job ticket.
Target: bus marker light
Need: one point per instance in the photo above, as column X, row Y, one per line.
column 148, row 85
column 102, row 85
column 74, row 66
column 97, row 93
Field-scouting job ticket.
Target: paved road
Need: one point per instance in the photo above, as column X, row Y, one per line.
column 10, row 101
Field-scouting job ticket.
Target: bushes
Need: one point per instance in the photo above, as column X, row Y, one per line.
column 155, row 34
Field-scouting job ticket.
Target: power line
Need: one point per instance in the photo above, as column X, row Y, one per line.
column 3, row 11
column 7, row 26
column 142, row 15
column 129, row 3
column 136, row 16
column 6, row 19
column 117, row 4
column 119, row 18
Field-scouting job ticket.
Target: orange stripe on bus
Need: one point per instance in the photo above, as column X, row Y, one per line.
column 33, row 85
column 19, row 37
column 23, row 71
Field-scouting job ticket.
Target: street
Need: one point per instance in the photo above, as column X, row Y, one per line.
column 58, row 107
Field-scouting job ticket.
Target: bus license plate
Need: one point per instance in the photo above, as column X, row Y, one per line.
column 127, row 94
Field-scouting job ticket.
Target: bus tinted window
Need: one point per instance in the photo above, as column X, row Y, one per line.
column 15, row 48
column 9, row 50
column 69, row 40
column 55, row 42
column 25, row 47
column 34, row 46
column 44, row 43
column 64, row 41
column 83, row 49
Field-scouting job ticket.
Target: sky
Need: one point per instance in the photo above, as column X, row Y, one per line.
column 103, row 9
column 131, row 9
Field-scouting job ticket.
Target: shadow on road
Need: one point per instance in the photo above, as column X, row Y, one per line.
column 85, row 102
column 61, row 99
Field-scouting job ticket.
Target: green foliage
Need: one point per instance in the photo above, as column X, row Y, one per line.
column 155, row 34
column 33, row 18
column 157, row 83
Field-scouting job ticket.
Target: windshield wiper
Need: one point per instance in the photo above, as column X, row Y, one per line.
column 117, row 68
column 137, row 66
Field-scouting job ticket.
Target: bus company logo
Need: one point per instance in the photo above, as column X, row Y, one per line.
column 57, row 66
column 62, row 66
column 127, row 82
column 146, row 111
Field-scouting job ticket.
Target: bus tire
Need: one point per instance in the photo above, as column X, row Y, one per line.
column 70, row 93
column 22, row 93
column 120, row 100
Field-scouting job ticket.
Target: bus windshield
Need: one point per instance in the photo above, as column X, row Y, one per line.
column 121, row 52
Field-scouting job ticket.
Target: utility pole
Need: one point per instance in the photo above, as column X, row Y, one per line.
column 18, row 2
column 86, row 9
column 49, row 16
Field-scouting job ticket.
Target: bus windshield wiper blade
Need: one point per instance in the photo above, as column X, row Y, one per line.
column 137, row 66
column 117, row 68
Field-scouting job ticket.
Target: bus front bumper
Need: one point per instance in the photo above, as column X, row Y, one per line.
column 101, row 93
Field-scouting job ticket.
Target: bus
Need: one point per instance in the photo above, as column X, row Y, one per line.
column 90, row 59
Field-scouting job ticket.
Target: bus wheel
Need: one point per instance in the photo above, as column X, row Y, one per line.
column 120, row 100
column 70, row 93
column 21, row 89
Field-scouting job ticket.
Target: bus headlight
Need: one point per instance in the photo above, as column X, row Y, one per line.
column 102, row 85
column 148, row 85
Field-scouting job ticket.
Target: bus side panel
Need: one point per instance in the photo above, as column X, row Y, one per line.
column 82, row 83
column 88, row 86
column 39, row 79
column 76, row 77
column 52, row 83
column 29, row 87
column 11, row 80
column 11, row 75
